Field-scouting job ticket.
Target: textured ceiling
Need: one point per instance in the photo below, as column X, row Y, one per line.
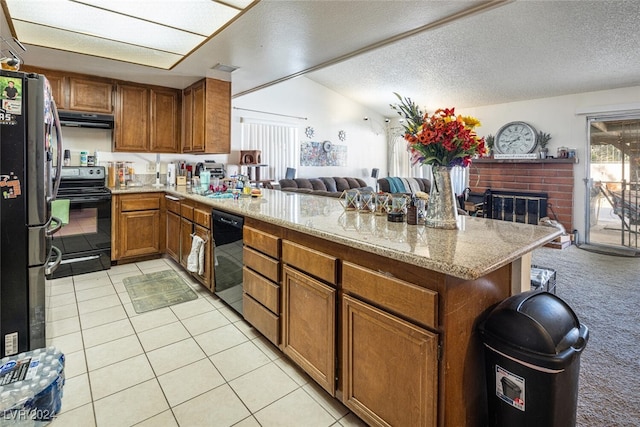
column 509, row 51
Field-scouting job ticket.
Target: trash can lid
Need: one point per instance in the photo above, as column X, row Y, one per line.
column 534, row 321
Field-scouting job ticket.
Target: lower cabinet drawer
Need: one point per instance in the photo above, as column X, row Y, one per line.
column 310, row 261
column 262, row 319
column 414, row 302
column 172, row 205
column 262, row 290
column 186, row 211
column 268, row 267
column 202, row 218
column 139, row 204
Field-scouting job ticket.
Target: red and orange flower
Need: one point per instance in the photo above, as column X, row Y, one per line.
column 442, row 138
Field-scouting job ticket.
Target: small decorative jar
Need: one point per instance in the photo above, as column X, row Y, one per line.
column 382, row 203
column 350, row 200
column 367, row 202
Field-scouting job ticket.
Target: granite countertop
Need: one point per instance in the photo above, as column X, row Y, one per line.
column 477, row 248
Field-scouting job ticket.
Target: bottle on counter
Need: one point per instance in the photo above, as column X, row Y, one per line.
column 67, row 158
column 83, row 158
column 412, row 211
column 111, row 174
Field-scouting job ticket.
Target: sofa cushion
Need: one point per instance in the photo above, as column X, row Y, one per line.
column 342, row 184
column 288, row 183
column 356, row 182
column 318, row 184
column 330, row 183
column 303, row 183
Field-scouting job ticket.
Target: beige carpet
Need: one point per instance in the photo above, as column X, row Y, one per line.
column 604, row 292
column 157, row 290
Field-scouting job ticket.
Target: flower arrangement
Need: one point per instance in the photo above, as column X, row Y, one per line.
column 442, row 138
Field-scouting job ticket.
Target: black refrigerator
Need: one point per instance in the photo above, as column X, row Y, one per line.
column 30, row 142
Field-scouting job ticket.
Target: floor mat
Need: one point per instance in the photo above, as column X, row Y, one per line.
column 609, row 250
column 157, row 290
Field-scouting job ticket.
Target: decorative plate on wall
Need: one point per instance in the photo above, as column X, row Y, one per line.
column 342, row 135
column 309, row 132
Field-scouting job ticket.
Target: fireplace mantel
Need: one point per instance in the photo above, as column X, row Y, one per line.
column 547, row 160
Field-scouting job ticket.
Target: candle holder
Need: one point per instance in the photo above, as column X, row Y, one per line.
column 350, row 200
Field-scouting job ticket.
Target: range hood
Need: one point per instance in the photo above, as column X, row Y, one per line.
column 85, row 120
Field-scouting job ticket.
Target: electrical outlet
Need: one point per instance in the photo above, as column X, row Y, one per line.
column 151, row 167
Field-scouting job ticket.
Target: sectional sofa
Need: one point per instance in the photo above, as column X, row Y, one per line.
column 324, row 186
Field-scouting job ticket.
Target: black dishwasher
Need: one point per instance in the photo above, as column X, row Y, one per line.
column 227, row 252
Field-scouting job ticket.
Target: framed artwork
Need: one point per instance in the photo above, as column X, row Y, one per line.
column 322, row 153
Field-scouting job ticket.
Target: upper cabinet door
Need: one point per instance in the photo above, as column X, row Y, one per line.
column 206, row 107
column 90, row 95
column 199, row 118
column 218, row 117
column 132, row 119
column 187, row 119
column 58, row 86
column 165, row 121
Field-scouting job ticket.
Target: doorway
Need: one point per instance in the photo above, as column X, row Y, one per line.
column 613, row 182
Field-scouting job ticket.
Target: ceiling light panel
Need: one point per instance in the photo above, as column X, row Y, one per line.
column 203, row 17
column 70, row 42
column 96, row 22
column 157, row 31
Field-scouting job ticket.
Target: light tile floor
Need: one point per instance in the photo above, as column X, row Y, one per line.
column 192, row 364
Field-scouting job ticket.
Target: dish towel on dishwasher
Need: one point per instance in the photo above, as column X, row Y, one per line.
column 195, row 260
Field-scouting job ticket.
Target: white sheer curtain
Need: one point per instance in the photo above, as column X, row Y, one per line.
column 278, row 143
column 400, row 165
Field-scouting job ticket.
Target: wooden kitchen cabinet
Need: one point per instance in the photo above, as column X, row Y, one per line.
column 147, row 119
column 195, row 220
column 206, row 117
column 164, row 134
column 404, row 340
column 309, row 312
column 90, row 94
column 136, row 222
column 261, row 282
column 405, row 393
column 173, row 227
column 132, row 118
column 390, row 367
column 58, row 84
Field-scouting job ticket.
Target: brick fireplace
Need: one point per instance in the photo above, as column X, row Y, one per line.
column 551, row 176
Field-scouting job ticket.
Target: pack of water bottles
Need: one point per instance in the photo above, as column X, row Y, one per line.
column 31, row 386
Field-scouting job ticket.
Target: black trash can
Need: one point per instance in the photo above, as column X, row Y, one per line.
column 533, row 343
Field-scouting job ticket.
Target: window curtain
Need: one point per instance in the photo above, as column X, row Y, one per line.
column 278, row 143
column 400, row 164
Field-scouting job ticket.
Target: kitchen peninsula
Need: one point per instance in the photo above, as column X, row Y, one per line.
column 382, row 315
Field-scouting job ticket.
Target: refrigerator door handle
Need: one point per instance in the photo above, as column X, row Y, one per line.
column 58, row 169
column 51, row 230
column 52, row 266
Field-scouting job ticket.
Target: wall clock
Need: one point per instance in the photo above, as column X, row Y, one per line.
column 326, row 146
column 309, row 132
column 516, row 138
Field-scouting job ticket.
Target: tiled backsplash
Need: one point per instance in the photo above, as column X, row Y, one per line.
column 99, row 141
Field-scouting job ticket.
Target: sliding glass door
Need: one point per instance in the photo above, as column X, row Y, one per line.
column 613, row 182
